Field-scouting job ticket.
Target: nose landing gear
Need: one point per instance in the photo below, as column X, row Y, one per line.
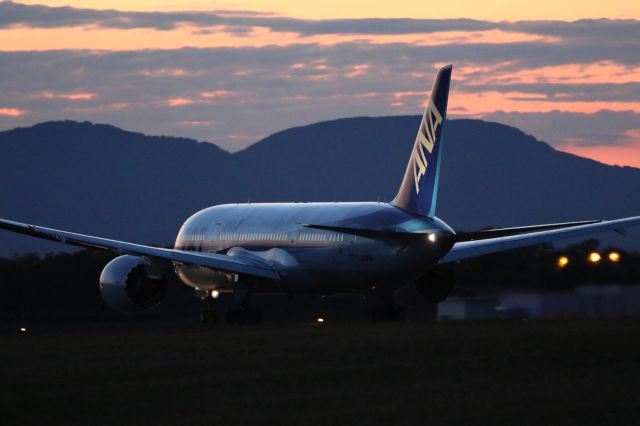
column 208, row 313
column 241, row 314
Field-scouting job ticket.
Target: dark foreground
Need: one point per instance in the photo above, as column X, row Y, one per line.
column 518, row 373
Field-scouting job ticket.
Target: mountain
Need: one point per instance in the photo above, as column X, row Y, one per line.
column 101, row 180
column 492, row 174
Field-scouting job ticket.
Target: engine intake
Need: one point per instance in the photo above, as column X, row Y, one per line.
column 128, row 285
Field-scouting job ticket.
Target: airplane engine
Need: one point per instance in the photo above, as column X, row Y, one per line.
column 128, row 285
column 437, row 284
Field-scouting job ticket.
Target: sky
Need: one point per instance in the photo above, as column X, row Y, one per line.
column 233, row 72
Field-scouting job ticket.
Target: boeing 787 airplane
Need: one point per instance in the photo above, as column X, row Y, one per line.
column 369, row 248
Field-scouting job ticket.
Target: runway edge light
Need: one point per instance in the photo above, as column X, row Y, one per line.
column 563, row 261
column 594, row 257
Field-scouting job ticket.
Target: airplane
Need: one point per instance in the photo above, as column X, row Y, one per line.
column 368, row 248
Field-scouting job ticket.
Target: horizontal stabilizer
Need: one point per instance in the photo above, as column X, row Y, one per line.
column 468, row 249
column 369, row 233
column 503, row 232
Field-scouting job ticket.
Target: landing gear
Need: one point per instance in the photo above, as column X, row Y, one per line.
column 241, row 314
column 388, row 311
column 208, row 313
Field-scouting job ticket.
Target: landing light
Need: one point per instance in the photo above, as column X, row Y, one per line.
column 594, row 257
column 215, row 294
column 563, row 261
column 432, row 238
column 23, row 329
column 320, row 320
column 614, row 256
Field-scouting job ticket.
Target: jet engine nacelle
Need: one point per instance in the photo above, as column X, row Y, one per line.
column 437, row 284
column 128, row 285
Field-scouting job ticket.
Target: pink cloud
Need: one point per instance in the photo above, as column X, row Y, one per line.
column 195, row 123
column 178, row 102
column 593, row 73
column 71, row 96
column 165, row 72
column 492, row 101
column 11, row 112
column 216, row 93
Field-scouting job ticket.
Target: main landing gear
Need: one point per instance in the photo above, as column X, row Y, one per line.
column 388, row 311
column 241, row 314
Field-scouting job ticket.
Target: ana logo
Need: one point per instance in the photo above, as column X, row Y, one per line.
column 425, row 140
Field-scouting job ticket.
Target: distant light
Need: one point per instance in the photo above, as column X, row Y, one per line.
column 215, row 294
column 432, row 238
column 614, row 256
column 320, row 320
column 563, row 261
column 594, row 257
column 23, row 329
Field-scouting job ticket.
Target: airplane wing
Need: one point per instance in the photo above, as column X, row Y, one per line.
column 220, row 262
column 467, row 249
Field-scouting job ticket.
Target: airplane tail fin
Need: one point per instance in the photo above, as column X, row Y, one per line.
column 419, row 188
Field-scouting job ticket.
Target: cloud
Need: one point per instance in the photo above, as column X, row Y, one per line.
column 11, row 112
column 604, row 32
column 178, row 102
column 570, row 83
column 72, row 96
column 271, row 88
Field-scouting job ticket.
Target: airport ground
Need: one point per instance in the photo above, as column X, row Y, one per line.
column 582, row 372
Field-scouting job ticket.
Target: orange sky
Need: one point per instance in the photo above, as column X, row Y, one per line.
column 623, row 155
column 90, row 37
column 493, row 10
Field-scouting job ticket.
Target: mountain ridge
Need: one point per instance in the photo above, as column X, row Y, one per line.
column 102, row 180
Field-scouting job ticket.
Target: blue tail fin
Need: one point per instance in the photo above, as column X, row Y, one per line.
column 419, row 188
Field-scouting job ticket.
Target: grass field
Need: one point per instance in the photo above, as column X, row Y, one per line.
column 494, row 373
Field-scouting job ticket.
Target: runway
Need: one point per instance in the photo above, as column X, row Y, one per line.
column 511, row 372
